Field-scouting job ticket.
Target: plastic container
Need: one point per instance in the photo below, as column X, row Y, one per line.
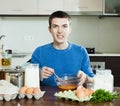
column 104, row 79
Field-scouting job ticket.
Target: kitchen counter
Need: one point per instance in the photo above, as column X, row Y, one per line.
column 106, row 54
column 50, row 100
column 19, row 59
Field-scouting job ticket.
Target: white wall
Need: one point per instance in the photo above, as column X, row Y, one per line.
column 89, row 31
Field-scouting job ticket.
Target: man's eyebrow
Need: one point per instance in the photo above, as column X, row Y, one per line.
column 58, row 25
column 54, row 24
column 65, row 24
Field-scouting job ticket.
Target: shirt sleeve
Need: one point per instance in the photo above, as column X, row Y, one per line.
column 86, row 66
column 36, row 57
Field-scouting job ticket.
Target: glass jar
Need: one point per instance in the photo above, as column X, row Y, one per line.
column 32, row 75
column 104, row 80
column 0, row 57
column 6, row 57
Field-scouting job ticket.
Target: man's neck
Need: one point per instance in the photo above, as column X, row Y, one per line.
column 61, row 46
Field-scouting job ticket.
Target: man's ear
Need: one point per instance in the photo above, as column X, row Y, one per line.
column 70, row 29
column 49, row 29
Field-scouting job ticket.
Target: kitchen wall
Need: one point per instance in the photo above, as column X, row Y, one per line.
column 89, row 31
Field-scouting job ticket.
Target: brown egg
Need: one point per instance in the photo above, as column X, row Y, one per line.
column 80, row 93
column 83, row 92
column 36, row 90
column 91, row 91
column 23, row 89
column 29, row 90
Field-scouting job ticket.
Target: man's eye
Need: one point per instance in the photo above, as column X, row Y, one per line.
column 65, row 26
column 54, row 26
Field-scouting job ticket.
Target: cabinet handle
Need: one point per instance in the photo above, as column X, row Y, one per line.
column 17, row 10
column 82, row 7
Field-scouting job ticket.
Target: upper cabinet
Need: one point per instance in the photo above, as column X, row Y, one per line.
column 90, row 5
column 83, row 5
column 72, row 5
column 111, row 7
column 46, row 7
column 18, row 7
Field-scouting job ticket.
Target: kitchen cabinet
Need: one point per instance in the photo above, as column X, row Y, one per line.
column 91, row 5
column 72, row 5
column 18, row 7
column 46, row 7
column 83, row 5
column 111, row 7
column 111, row 62
column 2, row 75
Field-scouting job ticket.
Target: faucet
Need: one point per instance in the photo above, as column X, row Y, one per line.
column 2, row 36
column 2, row 45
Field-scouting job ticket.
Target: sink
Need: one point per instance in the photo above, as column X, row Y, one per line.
column 17, row 55
column 98, row 53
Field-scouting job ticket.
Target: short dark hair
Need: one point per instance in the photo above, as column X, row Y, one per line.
column 59, row 14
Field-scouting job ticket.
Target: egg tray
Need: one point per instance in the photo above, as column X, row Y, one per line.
column 70, row 95
column 30, row 96
column 8, row 97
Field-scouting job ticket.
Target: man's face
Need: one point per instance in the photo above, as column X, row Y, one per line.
column 60, row 30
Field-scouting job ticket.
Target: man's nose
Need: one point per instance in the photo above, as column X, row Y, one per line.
column 60, row 29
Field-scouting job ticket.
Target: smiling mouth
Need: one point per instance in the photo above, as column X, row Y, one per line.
column 60, row 36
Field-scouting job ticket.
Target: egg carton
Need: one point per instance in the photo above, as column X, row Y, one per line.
column 8, row 97
column 30, row 96
column 70, row 95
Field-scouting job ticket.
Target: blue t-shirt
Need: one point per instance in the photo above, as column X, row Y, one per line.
column 67, row 61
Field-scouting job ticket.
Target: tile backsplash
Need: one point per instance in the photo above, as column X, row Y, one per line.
column 24, row 34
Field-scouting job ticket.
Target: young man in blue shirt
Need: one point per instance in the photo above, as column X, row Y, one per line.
column 61, row 56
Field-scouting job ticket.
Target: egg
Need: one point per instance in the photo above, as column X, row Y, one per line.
column 22, row 90
column 29, row 90
column 91, row 91
column 82, row 92
column 36, row 90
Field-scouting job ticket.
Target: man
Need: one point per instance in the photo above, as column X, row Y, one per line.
column 61, row 56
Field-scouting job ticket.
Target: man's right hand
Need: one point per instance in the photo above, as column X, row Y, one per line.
column 46, row 72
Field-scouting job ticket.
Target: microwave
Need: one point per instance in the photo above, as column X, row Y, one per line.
column 111, row 7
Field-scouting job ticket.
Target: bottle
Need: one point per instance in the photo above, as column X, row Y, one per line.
column 6, row 57
column 1, row 48
column 0, row 57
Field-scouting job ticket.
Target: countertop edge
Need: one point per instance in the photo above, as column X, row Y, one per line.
column 106, row 54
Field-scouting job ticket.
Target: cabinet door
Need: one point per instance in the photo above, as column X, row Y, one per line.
column 71, row 5
column 46, row 7
column 90, row 5
column 18, row 6
column 2, row 75
column 83, row 5
column 113, row 63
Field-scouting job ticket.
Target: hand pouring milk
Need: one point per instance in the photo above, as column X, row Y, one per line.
column 32, row 75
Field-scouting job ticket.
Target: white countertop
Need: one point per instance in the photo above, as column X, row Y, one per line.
column 106, row 54
column 19, row 59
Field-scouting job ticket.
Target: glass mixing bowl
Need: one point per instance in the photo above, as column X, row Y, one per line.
column 67, row 82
